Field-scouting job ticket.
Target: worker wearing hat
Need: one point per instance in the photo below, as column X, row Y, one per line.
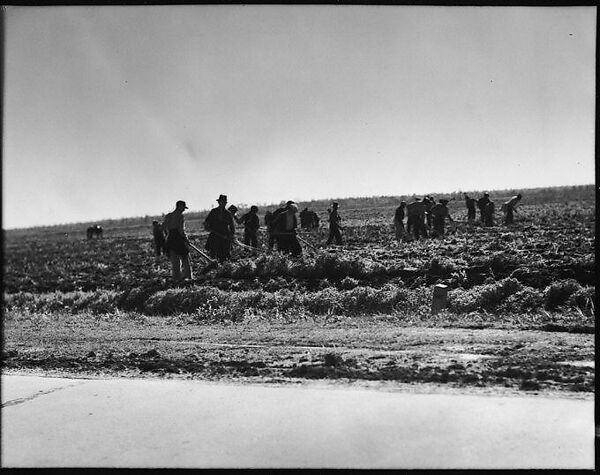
column 219, row 223
column 251, row 225
column 177, row 242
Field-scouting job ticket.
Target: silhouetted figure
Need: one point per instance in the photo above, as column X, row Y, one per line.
column 334, row 225
column 470, row 203
column 439, row 213
column 251, row 224
column 305, row 219
column 95, row 230
column 488, row 214
column 177, row 242
column 415, row 218
column 233, row 209
column 481, row 204
column 509, row 208
column 221, row 227
column 159, row 239
column 285, row 223
column 269, row 225
column 314, row 220
column 399, row 220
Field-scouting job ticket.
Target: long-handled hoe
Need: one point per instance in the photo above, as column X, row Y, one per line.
column 235, row 241
column 300, row 239
column 212, row 263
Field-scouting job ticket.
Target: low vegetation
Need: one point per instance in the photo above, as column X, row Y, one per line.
column 538, row 275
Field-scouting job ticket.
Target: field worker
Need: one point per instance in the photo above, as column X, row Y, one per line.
column 278, row 225
column 481, row 204
column 509, row 208
column 439, row 214
column 415, row 218
column 399, row 220
column 284, row 227
column 219, row 223
column 251, row 224
column 334, row 225
column 269, row 226
column 470, row 203
column 305, row 219
column 314, row 220
column 159, row 239
column 489, row 210
column 177, row 243
column 233, row 209
column 429, row 202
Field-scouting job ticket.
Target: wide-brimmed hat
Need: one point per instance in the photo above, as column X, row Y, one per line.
column 222, row 198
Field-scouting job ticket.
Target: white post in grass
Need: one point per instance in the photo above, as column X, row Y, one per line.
column 440, row 298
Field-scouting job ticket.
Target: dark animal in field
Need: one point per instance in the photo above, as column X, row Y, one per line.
column 95, row 230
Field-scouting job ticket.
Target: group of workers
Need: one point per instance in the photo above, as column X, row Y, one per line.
column 423, row 217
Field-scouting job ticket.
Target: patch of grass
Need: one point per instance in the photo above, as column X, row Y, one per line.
column 558, row 293
column 483, row 297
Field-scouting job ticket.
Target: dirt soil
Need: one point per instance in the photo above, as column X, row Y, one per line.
column 368, row 351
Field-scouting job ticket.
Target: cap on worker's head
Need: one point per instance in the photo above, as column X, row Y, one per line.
column 289, row 203
column 181, row 204
column 486, row 194
column 293, row 207
column 403, row 203
column 154, row 222
column 222, row 198
column 519, row 196
column 335, row 203
column 443, row 201
column 253, row 208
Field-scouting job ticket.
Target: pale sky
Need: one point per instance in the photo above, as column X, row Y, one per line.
column 114, row 111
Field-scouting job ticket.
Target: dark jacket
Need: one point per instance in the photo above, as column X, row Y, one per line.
column 251, row 222
column 399, row 214
column 220, row 222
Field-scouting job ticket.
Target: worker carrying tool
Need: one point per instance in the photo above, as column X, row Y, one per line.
column 221, row 227
column 251, row 225
column 177, row 243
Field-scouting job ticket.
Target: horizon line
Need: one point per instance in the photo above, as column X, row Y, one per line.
column 73, row 223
